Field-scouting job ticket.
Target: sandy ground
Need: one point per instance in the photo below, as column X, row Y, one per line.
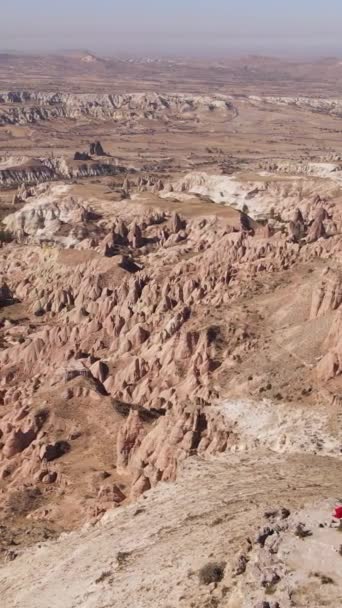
column 284, row 428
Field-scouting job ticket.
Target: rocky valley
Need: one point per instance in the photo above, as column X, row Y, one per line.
column 170, row 349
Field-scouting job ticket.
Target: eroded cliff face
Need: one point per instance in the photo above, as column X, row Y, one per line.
column 130, row 322
column 36, row 171
column 22, row 107
column 330, row 105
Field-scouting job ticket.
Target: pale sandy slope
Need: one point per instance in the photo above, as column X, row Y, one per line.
column 148, row 555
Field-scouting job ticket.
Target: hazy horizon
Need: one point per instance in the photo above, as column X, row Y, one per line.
column 193, row 26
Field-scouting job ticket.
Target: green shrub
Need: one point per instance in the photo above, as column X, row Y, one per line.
column 5, row 236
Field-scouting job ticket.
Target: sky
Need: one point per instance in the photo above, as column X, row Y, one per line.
column 173, row 26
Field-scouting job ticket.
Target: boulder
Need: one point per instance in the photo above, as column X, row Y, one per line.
column 52, row 451
column 96, row 149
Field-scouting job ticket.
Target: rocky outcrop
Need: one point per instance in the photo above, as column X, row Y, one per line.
column 328, row 295
column 24, row 107
column 82, row 156
column 6, row 296
column 155, row 455
column 96, row 149
column 323, row 105
column 45, row 217
column 317, row 228
column 330, row 366
column 297, row 228
column 52, row 169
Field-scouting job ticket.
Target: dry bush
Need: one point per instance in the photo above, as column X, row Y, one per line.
column 211, row 573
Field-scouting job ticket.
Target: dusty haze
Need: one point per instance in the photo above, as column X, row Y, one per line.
column 174, row 27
